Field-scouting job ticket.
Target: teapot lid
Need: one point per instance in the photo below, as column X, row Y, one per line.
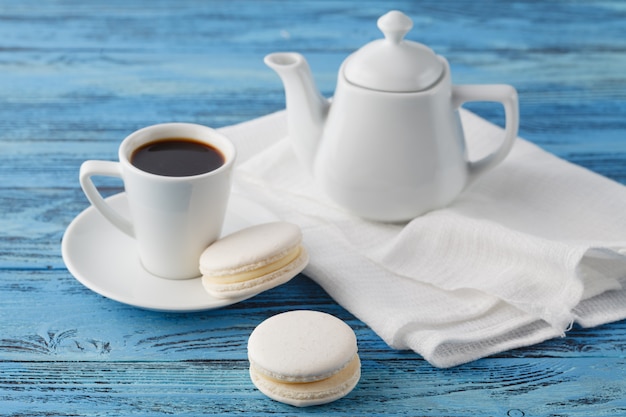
column 394, row 64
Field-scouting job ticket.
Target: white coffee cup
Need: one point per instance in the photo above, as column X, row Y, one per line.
column 173, row 219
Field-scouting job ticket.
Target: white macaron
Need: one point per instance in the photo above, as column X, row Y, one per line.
column 304, row 358
column 253, row 260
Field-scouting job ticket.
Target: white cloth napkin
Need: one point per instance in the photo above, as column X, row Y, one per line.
column 530, row 248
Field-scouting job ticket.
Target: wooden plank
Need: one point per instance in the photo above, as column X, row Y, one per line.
column 554, row 387
column 76, row 77
column 89, row 327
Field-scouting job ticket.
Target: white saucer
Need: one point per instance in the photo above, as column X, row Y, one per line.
column 105, row 260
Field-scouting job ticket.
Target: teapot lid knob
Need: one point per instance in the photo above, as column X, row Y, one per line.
column 394, row 64
column 394, row 25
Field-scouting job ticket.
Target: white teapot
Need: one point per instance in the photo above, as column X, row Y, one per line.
column 390, row 145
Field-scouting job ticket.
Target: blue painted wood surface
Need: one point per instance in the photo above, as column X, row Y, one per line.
column 76, row 77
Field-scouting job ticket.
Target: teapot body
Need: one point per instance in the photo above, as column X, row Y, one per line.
column 390, row 147
column 391, row 156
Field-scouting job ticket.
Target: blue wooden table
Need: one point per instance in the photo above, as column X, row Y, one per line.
column 77, row 76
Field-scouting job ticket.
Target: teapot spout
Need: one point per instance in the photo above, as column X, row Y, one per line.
column 306, row 107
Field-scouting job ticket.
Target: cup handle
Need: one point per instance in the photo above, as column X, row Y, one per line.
column 107, row 169
column 501, row 93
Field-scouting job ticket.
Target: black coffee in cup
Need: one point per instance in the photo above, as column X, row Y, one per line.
column 177, row 157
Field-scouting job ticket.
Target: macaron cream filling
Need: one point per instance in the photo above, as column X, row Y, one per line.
column 281, row 262
column 348, row 369
column 330, row 388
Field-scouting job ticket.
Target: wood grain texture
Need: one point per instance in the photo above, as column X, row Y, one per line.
column 76, row 77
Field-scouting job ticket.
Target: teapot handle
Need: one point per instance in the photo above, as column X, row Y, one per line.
column 501, row 93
